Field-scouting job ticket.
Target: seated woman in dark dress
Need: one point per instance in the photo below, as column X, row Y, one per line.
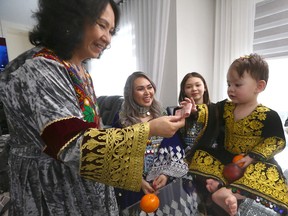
column 164, row 158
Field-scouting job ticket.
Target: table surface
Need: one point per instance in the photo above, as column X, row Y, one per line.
column 177, row 198
column 180, row 198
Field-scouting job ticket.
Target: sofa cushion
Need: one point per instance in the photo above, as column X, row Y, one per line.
column 109, row 106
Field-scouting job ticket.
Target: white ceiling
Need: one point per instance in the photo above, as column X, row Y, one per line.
column 19, row 11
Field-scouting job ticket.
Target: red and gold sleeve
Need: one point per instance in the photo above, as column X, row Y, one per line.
column 113, row 156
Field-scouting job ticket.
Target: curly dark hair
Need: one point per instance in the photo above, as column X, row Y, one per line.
column 61, row 23
column 182, row 95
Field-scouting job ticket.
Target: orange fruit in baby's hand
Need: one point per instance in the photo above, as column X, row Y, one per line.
column 149, row 203
column 238, row 157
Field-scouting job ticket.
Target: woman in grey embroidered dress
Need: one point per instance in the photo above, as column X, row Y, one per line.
column 60, row 161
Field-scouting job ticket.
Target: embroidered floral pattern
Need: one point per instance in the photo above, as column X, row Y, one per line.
column 246, row 135
column 254, row 134
column 264, row 178
column 205, row 164
column 113, row 150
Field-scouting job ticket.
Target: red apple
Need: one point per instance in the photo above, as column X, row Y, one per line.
column 232, row 172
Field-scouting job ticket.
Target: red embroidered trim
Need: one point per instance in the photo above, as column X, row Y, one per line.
column 59, row 133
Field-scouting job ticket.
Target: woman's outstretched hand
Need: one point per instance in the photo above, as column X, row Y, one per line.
column 166, row 126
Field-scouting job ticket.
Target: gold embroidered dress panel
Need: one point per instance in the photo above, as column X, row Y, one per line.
column 259, row 134
column 115, row 156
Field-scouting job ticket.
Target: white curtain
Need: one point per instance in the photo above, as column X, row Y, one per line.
column 117, row 63
column 149, row 21
column 234, row 29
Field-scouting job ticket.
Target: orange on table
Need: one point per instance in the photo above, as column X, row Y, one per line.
column 149, row 203
column 238, row 157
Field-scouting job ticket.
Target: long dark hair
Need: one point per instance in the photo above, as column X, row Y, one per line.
column 61, row 23
column 129, row 113
column 182, row 94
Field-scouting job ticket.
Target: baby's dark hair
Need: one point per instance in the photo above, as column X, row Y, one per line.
column 253, row 64
column 60, row 23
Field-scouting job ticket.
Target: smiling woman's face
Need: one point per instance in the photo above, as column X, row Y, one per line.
column 195, row 88
column 143, row 92
column 98, row 36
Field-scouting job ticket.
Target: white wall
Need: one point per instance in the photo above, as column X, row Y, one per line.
column 190, row 45
column 18, row 11
column 17, row 38
column 190, row 39
column 195, row 38
column 169, row 92
column 15, row 23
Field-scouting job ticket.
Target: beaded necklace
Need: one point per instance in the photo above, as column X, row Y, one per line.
column 83, row 87
column 143, row 111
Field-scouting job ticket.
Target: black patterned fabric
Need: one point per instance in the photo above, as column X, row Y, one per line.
column 261, row 136
column 3, row 122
